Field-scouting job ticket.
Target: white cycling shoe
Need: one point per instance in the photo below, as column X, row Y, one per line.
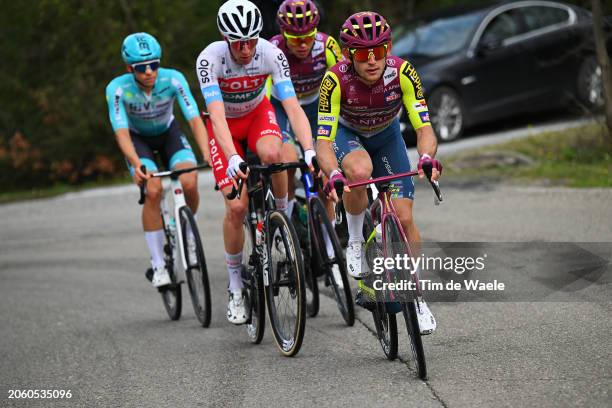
column 160, row 276
column 353, row 259
column 237, row 308
column 427, row 322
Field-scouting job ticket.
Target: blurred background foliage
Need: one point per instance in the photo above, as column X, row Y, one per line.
column 59, row 55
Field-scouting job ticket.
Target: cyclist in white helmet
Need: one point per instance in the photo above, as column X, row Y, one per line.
column 232, row 75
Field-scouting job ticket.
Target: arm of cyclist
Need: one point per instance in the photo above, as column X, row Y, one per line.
column 201, row 136
column 427, row 146
column 127, row 148
column 216, row 111
column 418, row 113
column 301, row 127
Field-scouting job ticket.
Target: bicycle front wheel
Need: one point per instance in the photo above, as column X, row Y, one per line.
column 285, row 284
column 396, row 245
column 253, row 284
column 197, row 273
column 171, row 294
column 334, row 265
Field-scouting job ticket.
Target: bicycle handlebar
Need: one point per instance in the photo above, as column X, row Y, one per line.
column 427, row 169
column 169, row 173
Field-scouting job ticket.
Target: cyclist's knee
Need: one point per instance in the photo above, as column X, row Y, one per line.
column 190, row 183
column 236, row 211
column 271, row 155
column 154, row 190
column 357, row 170
column 406, row 219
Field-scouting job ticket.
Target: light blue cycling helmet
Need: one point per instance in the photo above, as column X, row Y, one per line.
column 139, row 47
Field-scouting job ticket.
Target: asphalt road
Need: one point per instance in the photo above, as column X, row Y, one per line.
column 77, row 313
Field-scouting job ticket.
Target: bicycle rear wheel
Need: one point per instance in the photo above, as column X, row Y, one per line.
column 396, row 245
column 197, row 274
column 285, row 284
column 321, row 224
column 310, row 262
column 253, row 285
column 386, row 330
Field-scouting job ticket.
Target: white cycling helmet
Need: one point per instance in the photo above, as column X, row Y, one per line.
column 239, row 20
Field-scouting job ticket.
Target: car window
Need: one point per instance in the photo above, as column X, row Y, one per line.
column 434, row 38
column 537, row 17
column 503, row 26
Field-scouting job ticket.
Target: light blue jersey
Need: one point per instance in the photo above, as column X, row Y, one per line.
column 149, row 115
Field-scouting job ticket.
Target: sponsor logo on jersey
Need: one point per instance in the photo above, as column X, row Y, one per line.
column 411, row 74
column 318, row 48
column 327, row 87
column 390, row 62
column 392, row 96
column 319, row 66
column 242, row 84
column 343, row 68
column 389, row 75
column 324, row 118
column 204, row 71
column 211, row 94
column 324, row 130
column 424, row 116
column 420, row 105
column 283, row 65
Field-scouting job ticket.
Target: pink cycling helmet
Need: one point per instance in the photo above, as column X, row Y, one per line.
column 297, row 16
column 365, row 29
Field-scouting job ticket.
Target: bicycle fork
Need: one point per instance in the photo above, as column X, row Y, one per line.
column 174, row 220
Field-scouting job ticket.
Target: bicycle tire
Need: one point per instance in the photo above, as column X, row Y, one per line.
column 386, row 330
column 416, row 342
column 318, row 220
column 197, row 275
column 288, row 333
column 171, row 294
column 253, row 285
column 393, row 235
column 310, row 264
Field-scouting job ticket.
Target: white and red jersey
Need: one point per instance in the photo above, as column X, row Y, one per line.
column 242, row 87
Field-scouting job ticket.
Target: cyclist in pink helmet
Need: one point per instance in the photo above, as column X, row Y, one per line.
column 358, row 133
column 309, row 53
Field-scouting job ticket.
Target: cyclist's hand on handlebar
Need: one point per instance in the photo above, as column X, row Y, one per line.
column 336, row 178
column 233, row 167
column 308, row 156
column 139, row 176
column 436, row 167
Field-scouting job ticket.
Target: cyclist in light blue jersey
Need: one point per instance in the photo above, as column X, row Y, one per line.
column 140, row 105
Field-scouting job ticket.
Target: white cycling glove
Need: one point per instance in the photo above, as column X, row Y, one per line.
column 309, row 155
column 233, row 165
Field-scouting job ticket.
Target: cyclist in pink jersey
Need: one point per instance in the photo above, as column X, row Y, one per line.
column 232, row 75
column 358, row 133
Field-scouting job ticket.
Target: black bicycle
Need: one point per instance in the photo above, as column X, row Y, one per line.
column 177, row 253
column 274, row 267
column 318, row 263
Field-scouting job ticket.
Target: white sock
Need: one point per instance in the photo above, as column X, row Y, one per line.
column 281, row 203
column 355, row 226
column 155, row 242
column 234, row 262
column 290, row 206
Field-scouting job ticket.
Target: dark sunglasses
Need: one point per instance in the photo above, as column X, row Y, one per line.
column 238, row 45
column 142, row 67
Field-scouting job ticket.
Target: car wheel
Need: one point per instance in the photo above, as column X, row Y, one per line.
column 447, row 116
column 590, row 84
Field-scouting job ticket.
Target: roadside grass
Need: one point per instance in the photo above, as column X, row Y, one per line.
column 578, row 157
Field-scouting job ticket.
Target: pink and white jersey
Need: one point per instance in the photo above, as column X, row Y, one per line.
column 242, row 87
